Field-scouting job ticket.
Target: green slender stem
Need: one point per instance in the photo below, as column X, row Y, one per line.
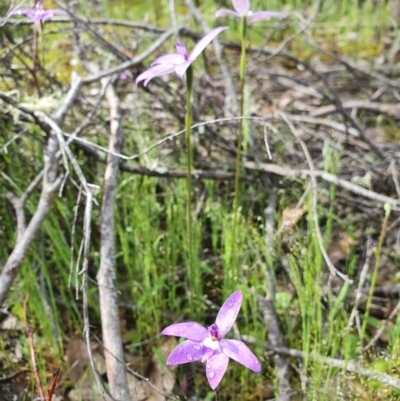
column 243, row 25
column 35, row 60
column 376, row 267
column 188, row 124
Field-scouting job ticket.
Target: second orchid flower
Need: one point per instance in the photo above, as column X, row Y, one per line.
column 242, row 9
column 38, row 14
column 177, row 62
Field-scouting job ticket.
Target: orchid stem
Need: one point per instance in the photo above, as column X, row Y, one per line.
column 35, row 60
column 243, row 28
column 188, row 124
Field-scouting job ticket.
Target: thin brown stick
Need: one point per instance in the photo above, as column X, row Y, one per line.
column 29, row 333
column 52, row 385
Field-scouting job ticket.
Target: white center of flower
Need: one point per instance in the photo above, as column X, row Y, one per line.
column 210, row 343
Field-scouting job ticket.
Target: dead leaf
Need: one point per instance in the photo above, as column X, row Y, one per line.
column 291, row 215
column 339, row 246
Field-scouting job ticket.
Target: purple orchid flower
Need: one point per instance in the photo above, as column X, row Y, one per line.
column 38, row 14
column 177, row 62
column 208, row 345
column 124, row 75
column 242, row 8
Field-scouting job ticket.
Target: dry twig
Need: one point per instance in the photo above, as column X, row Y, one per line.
column 106, row 275
column 52, row 385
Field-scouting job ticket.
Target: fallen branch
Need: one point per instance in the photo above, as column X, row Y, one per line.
column 106, row 275
column 51, row 182
column 351, row 366
column 19, row 204
column 391, row 109
column 357, row 189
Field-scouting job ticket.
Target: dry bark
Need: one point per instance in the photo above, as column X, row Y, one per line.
column 107, row 273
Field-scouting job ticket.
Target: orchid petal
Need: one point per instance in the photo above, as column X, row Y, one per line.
column 156, row 71
column 205, row 41
column 181, row 49
column 171, row 58
column 56, row 11
column 228, row 312
column 223, row 13
column 241, row 6
column 45, row 15
column 264, row 15
column 186, row 352
column 190, row 330
column 23, row 11
column 181, row 69
column 215, row 369
column 239, row 352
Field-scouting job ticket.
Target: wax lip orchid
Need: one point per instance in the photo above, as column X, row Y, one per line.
column 38, row 13
column 177, row 62
column 242, row 9
column 208, row 345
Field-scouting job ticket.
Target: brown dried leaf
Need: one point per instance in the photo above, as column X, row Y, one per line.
column 291, row 215
column 339, row 246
